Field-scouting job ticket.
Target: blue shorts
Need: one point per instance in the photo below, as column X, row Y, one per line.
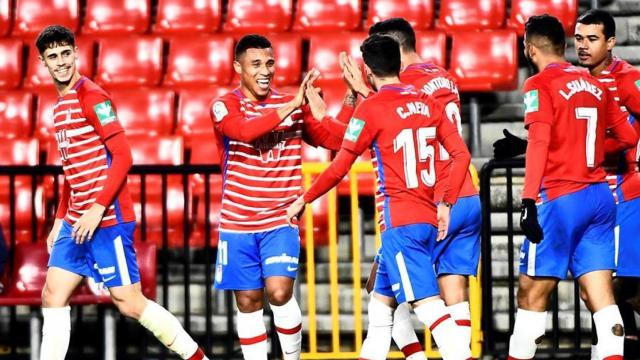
column 627, row 238
column 109, row 256
column 246, row 259
column 459, row 252
column 404, row 268
column 578, row 233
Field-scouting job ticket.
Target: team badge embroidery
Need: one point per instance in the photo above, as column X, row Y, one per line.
column 531, row 101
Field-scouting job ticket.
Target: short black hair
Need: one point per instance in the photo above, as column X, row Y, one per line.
column 599, row 17
column 54, row 35
column 381, row 53
column 399, row 29
column 251, row 41
column 548, row 27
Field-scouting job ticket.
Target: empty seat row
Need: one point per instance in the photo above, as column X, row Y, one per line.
column 200, row 61
column 107, row 17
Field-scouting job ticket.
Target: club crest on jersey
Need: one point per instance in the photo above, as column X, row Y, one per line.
column 63, row 144
column 105, row 113
column 531, row 101
column 354, row 129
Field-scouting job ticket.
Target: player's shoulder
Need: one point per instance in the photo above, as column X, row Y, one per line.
column 87, row 88
column 228, row 98
column 623, row 71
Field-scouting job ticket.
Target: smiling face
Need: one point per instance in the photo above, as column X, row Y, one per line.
column 256, row 68
column 60, row 61
column 592, row 46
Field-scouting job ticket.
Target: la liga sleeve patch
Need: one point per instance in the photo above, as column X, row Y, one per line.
column 220, row 110
column 104, row 112
column 354, row 129
column 531, row 102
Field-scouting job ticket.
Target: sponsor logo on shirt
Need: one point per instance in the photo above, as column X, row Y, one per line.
column 638, row 84
column 354, row 129
column 531, row 101
column 105, row 113
column 220, row 110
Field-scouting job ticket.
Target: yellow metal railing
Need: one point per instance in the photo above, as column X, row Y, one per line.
column 336, row 351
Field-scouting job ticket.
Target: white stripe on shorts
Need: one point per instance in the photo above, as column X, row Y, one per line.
column 531, row 259
column 404, row 277
column 122, row 261
column 616, row 237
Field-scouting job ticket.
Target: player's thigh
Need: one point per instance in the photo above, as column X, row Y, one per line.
column 112, row 256
column 550, row 257
column 533, row 292
column 405, row 252
column 238, row 262
column 59, row 286
column 459, row 252
column 598, row 236
column 627, row 238
column 597, row 288
column 279, row 252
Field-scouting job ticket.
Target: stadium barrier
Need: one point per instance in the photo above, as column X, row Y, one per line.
column 571, row 341
column 337, row 350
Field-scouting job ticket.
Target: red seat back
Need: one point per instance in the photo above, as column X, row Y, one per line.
column 287, row 50
column 148, row 112
column 471, row 15
column 19, row 152
column 15, row 114
column 328, row 15
column 485, row 61
column 34, row 15
column 194, row 111
column 324, row 50
column 129, row 61
column 146, row 255
column 29, row 270
column 158, row 150
column 564, row 10
column 199, row 61
column 245, row 16
column 418, row 13
column 38, row 76
column 432, row 47
column 5, row 17
column 107, row 17
column 10, row 63
column 188, row 16
column 204, row 150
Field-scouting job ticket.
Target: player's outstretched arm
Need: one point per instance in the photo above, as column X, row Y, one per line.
column 323, row 183
column 229, row 120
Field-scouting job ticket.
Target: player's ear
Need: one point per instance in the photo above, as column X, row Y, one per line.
column 611, row 42
column 237, row 67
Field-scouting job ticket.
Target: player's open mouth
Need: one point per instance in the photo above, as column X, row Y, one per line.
column 63, row 71
column 264, row 83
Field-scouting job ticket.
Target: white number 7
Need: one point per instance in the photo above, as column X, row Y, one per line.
column 591, row 115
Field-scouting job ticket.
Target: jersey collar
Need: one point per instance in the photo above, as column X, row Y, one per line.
column 396, row 88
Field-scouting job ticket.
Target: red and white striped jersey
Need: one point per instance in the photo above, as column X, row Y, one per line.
column 261, row 178
column 623, row 82
column 84, row 119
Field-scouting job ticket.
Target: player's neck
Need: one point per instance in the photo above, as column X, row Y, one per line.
column 598, row 69
column 548, row 60
column 63, row 88
column 410, row 59
column 391, row 80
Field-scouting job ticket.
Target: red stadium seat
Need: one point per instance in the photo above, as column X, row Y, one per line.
column 432, row 47
column 324, row 50
column 28, row 275
column 107, row 17
column 15, row 114
column 156, row 150
column 418, row 13
column 44, row 130
column 204, row 150
column 188, row 16
column 199, row 61
column 194, row 109
column 148, row 112
column 333, row 92
column 197, row 238
column 32, row 16
column 564, row 10
column 328, row 15
column 38, row 76
column 245, row 16
column 5, row 17
column 129, row 61
column 19, row 152
column 485, row 61
column 471, row 15
column 10, row 63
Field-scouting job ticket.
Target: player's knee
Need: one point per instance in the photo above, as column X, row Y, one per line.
column 130, row 306
column 530, row 300
column 249, row 304
column 280, row 296
column 51, row 298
